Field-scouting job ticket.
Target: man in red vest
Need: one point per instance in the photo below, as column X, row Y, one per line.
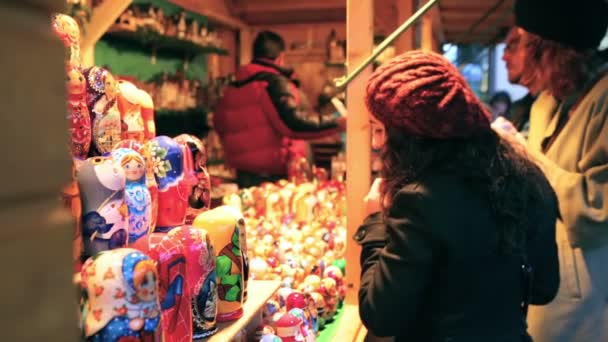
column 262, row 115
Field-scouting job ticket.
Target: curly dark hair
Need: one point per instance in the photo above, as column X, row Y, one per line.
column 485, row 162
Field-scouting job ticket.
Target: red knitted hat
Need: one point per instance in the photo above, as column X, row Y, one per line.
column 423, row 94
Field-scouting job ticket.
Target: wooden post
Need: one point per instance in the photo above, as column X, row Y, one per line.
column 245, row 45
column 427, row 38
column 359, row 34
column 405, row 9
column 103, row 17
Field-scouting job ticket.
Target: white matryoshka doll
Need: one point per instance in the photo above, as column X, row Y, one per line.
column 121, row 297
column 102, row 91
column 223, row 230
column 147, row 114
column 101, row 183
column 137, row 194
column 129, row 105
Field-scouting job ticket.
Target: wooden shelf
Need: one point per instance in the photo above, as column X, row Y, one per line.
column 260, row 292
column 149, row 39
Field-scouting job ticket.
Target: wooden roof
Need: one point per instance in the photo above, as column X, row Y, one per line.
column 461, row 21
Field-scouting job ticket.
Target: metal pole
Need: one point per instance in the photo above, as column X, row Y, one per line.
column 344, row 81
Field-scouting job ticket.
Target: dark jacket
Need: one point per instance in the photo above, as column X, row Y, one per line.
column 260, row 115
column 430, row 270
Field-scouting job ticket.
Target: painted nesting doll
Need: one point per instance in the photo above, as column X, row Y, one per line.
column 129, row 105
column 223, row 229
column 102, row 92
column 137, row 194
column 175, row 300
column 79, row 119
column 101, row 183
column 240, row 220
column 200, row 270
column 200, row 196
column 66, row 28
column 174, row 184
column 121, row 296
column 147, row 114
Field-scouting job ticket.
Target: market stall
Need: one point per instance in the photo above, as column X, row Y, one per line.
column 150, row 189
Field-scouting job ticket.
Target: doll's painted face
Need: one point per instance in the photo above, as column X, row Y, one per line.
column 145, row 281
column 134, row 169
column 76, row 82
column 110, row 86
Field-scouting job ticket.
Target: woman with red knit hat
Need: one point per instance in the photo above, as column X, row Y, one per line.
column 460, row 234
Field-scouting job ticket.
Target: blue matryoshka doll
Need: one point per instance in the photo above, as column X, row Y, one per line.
column 137, row 194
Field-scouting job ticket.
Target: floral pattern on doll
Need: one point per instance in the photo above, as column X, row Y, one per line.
column 101, row 101
column 137, row 195
column 78, row 114
column 122, row 296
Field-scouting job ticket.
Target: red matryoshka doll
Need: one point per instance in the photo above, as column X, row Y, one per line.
column 102, row 91
column 147, row 114
column 200, row 270
column 329, row 290
column 130, row 111
column 121, row 296
column 200, row 196
column 101, row 182
column 223, row 230
column 288, row 328
column 175, row 177
column 79, row 119
column 137, row 194
column 175, row 300
column 306, row 328
column 336, row 274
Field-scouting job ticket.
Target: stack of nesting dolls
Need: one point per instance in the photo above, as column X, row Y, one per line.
column 153, row 262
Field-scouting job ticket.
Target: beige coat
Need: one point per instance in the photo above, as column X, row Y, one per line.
column 576, row 164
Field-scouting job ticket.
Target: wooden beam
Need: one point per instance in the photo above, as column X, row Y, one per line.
column 426, row 41
column 405, row 9
column 102, row 18
column 214, row 16
column 245, row 46
column 350, row 325
column 438, row 27
column 359, row 34
column 291, row 6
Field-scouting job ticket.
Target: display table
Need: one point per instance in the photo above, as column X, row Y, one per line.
column 260, row 292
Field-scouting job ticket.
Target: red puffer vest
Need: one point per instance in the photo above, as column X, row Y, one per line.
column 254, row 137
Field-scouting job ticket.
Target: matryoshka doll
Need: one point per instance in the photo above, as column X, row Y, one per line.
column 202, row 282
column 67, row 29
column 223, row 229
column 147, row 114
column 78, row 114
column 137, row 194
column 174, row 176
column 102, row 91
column 130, row 111
column 329, row 290
column 199, row 199
column 101, row 183
column 288, row 328
column 150, row 181
column 122, row 296
column 240, row 220
column 336, row 274
column 175, row 300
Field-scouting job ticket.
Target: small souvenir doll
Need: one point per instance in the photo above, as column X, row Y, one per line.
column 122, row 297
column 137, row 194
